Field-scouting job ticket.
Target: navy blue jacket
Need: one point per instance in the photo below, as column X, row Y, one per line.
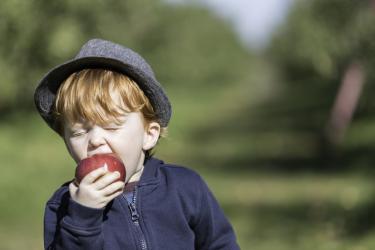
column 172, row 209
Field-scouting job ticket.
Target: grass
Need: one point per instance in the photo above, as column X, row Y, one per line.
column 304, row 211
column 267, row 210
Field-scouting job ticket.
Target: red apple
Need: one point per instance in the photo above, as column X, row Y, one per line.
column 89, row 164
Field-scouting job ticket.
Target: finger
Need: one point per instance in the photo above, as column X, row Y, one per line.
column 113, row 188
column 94, row 175
column 106, row 180
column 112, row 196
column 72, row 188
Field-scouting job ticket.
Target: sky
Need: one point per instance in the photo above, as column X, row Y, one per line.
column 253, row 20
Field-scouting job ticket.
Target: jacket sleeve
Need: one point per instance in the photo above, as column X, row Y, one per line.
column 69, row 225
column 213, row 230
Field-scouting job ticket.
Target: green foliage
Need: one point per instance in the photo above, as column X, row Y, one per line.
column 275, row 116
column 186, row 46
column 312, row 51
column 194, row 55
column 324, row 36
column 231, row 112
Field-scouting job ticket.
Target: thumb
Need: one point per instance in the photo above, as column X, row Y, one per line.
column 72, row 188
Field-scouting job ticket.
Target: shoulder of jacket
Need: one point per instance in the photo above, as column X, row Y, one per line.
column 61, row 194
column 180, row 172
column 184, row 179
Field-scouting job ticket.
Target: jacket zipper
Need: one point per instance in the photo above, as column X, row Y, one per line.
column 135, row 219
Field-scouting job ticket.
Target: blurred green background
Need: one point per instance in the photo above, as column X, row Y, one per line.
column 290, row 164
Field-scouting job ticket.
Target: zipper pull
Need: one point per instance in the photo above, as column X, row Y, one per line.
column 134, row 213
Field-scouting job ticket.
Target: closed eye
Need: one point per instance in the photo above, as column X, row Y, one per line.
column 112, row 128
column 78, row 133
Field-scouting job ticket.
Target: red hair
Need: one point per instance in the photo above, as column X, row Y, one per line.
column 100, row 96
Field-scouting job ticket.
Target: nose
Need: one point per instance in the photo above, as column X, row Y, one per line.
column 96, row 138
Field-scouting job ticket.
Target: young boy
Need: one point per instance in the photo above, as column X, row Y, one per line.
column 107, row 100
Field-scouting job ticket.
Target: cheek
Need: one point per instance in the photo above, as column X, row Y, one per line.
column 76, row 149
column 127, row 142
column 128, row 145
column 133, row 135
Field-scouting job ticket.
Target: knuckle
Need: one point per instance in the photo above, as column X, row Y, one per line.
column 95, row 195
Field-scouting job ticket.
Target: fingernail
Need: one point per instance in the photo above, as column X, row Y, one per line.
column 105, row 167
column 117, row 173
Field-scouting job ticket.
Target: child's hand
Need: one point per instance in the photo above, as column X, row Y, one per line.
column 97, row 188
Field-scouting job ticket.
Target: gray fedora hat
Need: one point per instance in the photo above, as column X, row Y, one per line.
column 97, row 53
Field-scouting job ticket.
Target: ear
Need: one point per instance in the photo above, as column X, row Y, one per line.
column 151, row 136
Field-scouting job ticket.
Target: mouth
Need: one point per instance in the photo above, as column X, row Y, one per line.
column 100, row 153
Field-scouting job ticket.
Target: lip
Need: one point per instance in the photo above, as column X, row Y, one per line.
column 98, row 153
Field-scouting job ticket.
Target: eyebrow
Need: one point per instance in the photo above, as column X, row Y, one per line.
column 75, row 125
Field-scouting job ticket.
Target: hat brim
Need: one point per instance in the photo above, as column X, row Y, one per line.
column 47, row 89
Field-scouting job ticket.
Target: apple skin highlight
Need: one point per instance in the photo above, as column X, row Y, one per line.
column 89, row 164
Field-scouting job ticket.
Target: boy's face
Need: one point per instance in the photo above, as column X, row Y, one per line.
column 128, row 140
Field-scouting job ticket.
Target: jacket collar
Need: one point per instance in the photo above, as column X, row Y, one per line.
column 150, row 175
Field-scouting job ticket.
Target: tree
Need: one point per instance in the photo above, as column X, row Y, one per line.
column 314, row 50
column 183, row 44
